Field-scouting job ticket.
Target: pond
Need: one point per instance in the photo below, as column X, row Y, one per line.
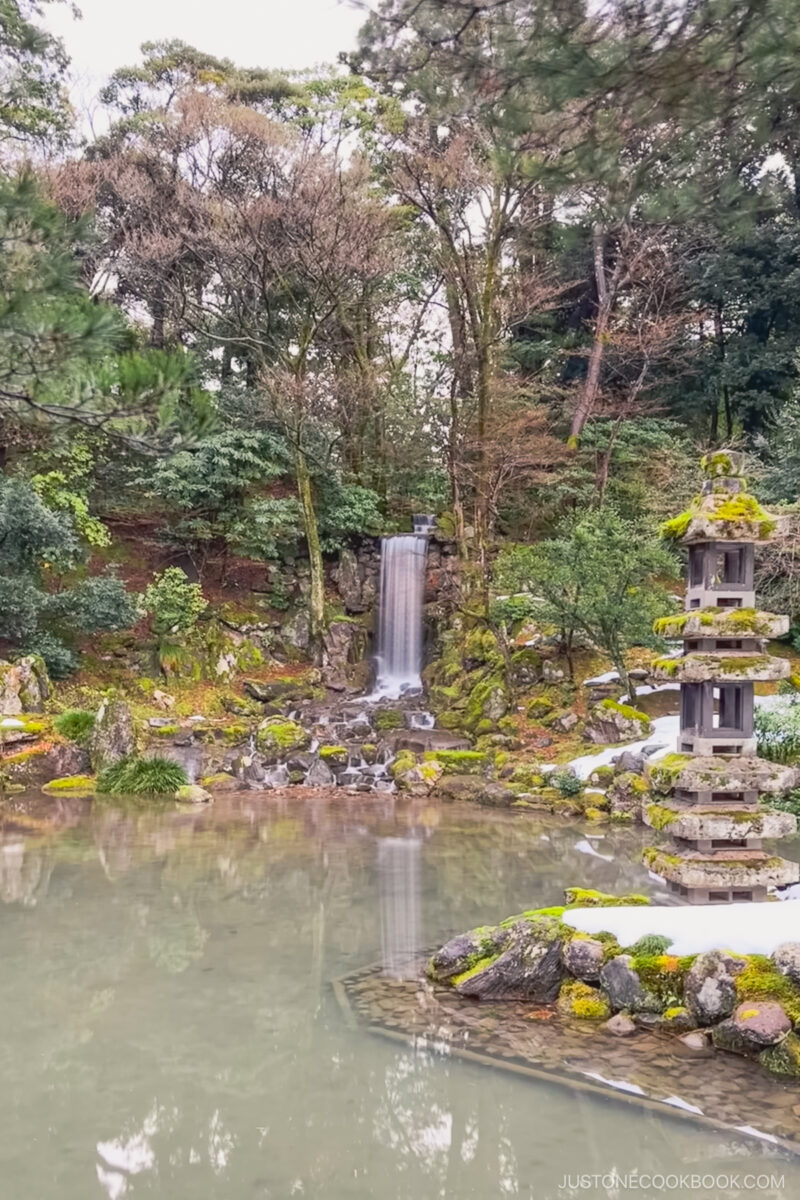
column 169, row 1028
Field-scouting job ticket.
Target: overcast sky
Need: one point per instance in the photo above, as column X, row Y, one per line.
column 266, row 33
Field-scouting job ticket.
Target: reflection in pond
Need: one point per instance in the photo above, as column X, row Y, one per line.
column 399, row 883
column 169, row 1029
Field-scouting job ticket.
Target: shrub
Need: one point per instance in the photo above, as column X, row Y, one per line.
column 134, row 776
column 173, row 602
column 567, row 783
column 651, row 944
column 75, row 724
column 778, row 731
column 511, row 610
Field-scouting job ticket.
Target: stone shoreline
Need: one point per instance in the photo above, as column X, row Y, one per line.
column 650, row 1070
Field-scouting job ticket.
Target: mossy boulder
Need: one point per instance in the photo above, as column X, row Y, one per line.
column 783, row 1059
column 578, row 897
column 276, row 738
column 578, row 999
column 539, row 708
column 709, row 986
column 24, row 685
column 525, row 667
column 420, row 778
column 304, row 686
column 475, row 788
column 722, row 515
column 334, row 756
column 627, row 794
column 528, row 967
column 35, row 765
column 70, row 783
column 192, row 793
column 112, row 737
column 459, row 762
column 611, row 722
column 388, row 719
column 583, row 957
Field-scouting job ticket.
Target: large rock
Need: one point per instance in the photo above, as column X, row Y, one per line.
column 279, row 737
column 296, row 630
column 319, row 775
column 343, row 644
column 112, row 736
column 475, row 788
column 783, row 1058
column 44, row 761
column 24, row 685
column 528, row 968
column 709, row 989
column 755, row 1024
column 621, row 984
column 420, row 779
column 349, row 582
column 583, row 958
column 787, row 959
column 463, row 952
column 627, row 795
column 611, row 722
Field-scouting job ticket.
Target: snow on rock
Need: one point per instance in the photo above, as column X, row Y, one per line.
column 743, row 928
column 664, row 736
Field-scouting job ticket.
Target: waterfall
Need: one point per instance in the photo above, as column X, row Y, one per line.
column 400, row 617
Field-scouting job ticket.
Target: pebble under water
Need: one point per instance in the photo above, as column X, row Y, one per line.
column 170, row 1026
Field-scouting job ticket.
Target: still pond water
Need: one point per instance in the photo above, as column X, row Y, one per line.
column 168, row 1027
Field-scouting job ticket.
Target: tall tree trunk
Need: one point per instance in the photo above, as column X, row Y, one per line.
column 316, row 600
column 605, row 304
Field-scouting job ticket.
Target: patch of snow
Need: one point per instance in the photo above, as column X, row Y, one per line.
column 621, row 1085
column 676, row 1102
column 759, row 1133
column 663, row 739
column 609, row 677
column 747, row 928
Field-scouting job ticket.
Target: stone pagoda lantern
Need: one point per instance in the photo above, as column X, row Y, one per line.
column 707, row 794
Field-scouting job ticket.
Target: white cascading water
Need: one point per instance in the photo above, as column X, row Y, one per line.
column 399, row 660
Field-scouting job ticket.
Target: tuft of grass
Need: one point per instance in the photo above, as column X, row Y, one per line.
column 75, row 724
column 650, row 944
column 134, row 776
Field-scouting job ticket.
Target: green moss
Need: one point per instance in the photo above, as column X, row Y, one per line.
column 726, row 508
column 404, row 761
column 667, row 666
column 278, row 736
column 540, row 707
column 458, row 762
column 718, row 463
column 625, row 710
column 387, row 719
column 664, row 773
column 235, row 733
column 761, row 980
column 475, row 969
column 659, row 816
column 579, row 1000
column 676, row 1013
column 663, row 975
column 165, row 730
column 589, row 898
column 70, row 783
column 334, row 754
column 783, row 1059
column 725, row 620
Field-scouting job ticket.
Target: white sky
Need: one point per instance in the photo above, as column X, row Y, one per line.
column 264, row 33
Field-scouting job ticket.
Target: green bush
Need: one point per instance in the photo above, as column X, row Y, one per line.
column 173, row 602
column 778, row 731
column 650, row 944
column 75, row 724
column 567, row 783
column 134, row 776
column 511, row 610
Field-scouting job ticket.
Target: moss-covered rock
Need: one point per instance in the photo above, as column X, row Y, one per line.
column 611, row 722
column 580, row 897
column 783, row 1059
column 388, row 719
column 70, row 783
column 723, row 623
column 627, row 794
column 24, row 685
column 112, row 737
column 578, row 999
column 477, row 789
column 539, row 708
column 334, row 756
column 459, row 762
column 276, row 738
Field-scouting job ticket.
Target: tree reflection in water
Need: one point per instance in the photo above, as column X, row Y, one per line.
column 169, row 1029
